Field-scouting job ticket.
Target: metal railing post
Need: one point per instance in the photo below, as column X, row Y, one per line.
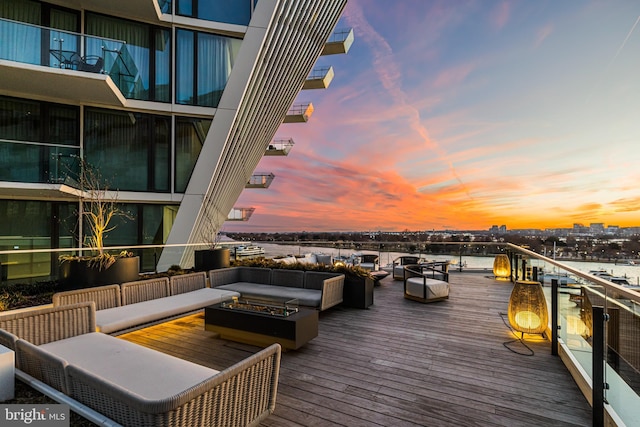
column 554, row 317
column 598, row 385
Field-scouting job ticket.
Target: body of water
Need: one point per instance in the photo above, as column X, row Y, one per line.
column 632, row 273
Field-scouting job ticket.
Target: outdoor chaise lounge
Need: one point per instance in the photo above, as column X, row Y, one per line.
column 133, row 385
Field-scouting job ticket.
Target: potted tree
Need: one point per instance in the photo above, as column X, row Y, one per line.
column 98, row 208
column 214, row 256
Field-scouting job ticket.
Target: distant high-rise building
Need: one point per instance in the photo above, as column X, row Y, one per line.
column 174, row 103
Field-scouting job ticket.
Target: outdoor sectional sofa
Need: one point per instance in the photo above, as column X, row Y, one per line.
column 320, row 290
column 130, row 384
column 129, row 305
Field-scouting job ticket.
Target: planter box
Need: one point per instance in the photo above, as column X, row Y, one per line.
column 211, row 259
column 77, row 274
column 358, row 292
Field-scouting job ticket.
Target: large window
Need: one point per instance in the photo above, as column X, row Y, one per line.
column 230, row 12
column 130, row 150
column 140, row 67
column 34, row 137
column 190, row 135
column 203, row 66
column 29, row 33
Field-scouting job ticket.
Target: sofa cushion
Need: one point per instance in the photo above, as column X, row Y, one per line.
column 306, row 297
column 124, row 363
column 255, row 275
column 290, row 278
column 435, row 288
column 127, row 316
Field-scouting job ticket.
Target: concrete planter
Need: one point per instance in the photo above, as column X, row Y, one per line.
column 211, row 259
column 77, row 274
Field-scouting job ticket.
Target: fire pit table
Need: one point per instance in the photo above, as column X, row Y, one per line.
column 262, row 323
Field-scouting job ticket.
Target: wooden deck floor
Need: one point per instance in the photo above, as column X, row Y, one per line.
column 403, row 363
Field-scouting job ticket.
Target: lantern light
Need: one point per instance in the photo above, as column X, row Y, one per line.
column 502, row 267
column 528, row 308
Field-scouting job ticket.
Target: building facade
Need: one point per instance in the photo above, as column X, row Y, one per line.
column 173, row 103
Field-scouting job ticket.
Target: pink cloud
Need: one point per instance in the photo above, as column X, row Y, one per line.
column 542, row 34
column 501, row 14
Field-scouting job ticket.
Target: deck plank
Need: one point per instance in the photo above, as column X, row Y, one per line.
column 403, row 363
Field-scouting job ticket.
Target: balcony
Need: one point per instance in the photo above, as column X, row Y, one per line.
column 299, row 113
column 320, row 78
column 260, row 180
column 339, row 42
column 279, row 147
column 454, row 362
column 68, row 65
column 240, row 214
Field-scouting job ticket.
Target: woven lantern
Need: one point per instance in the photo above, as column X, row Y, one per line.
column 502, row 267
column 528, row 308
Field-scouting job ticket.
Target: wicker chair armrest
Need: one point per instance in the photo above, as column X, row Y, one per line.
column 42, row 365
column 7, row 339
column 49, row 324
column 332, row 291
column 242, row 394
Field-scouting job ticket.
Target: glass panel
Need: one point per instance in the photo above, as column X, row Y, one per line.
column 67, row 225
column 185, row 7
column 190, row 135
column 113, row 136
column 214, row 67
column 64, row 125
column 237, row 12
column 184, row 66
column 29, row 228
column 131, row 62
column 125, row 229
column 165, row 6
column 163, row 66
column 19, row 119
column 162, row 154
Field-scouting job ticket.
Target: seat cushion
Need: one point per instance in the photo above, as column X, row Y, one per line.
column 145, row 372
column 306, row 297
column 127, row 316
column 435, row 288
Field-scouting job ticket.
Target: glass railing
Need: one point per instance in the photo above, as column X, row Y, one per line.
column 165, row 6
column 581, row 286
column 52, row 164
column 55, row 48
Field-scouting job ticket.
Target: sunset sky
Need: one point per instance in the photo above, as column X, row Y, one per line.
column 463, row 115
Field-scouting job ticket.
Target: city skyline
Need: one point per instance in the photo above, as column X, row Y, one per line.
column 466, row 116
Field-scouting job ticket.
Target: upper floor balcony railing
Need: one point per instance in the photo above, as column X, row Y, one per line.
column 320, row 78
column 51, row 47
column 56, row 161
column 299, row 113
column 279, row 147
column 260, row 180
column 240, row 214
column 339, row 42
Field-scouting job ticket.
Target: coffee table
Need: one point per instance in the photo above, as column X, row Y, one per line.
column 262, row 326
